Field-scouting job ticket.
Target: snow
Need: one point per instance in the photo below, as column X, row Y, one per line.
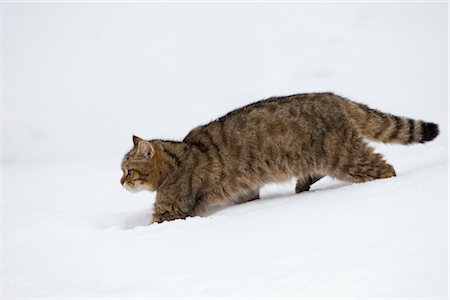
column 88, row 237
column 79, row 79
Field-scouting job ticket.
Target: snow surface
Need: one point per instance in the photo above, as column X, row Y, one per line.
column 81, row 234
column 79, row 79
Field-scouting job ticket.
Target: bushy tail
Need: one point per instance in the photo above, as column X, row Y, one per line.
column 378, row 126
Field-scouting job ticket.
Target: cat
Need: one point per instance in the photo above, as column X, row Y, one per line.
column 303, row 136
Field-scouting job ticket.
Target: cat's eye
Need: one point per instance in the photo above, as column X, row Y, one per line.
column 129, row 172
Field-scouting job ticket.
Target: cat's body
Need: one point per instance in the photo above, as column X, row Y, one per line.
column 304, row 136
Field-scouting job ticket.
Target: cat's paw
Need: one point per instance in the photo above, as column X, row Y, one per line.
column 165, row 216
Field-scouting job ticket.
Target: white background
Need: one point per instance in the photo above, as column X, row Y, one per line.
column 79, row 79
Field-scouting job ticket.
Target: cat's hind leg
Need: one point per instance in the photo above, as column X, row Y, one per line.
column 357, row 162
column 304, row 184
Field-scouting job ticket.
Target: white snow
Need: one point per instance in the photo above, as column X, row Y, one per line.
column 79, row 79
column 83, row 235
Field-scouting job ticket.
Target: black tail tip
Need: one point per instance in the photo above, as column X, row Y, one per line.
column 429, row 131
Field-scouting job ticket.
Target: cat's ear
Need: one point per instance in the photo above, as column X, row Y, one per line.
column 145, row 149
column 136, row 140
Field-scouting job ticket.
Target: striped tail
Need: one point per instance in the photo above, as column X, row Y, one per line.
column 378, row 126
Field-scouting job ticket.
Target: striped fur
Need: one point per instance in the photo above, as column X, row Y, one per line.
column 304, row 136
column 391, row 129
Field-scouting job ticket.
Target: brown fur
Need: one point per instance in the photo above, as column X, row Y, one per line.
column 305, row 136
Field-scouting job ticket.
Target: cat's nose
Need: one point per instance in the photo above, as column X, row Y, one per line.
column 122, row 180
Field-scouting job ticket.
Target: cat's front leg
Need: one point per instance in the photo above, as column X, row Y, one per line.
column 171, row 206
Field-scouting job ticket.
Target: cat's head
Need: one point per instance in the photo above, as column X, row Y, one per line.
column 140, row 167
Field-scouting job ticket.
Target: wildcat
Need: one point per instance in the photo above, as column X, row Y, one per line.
column 303, row 136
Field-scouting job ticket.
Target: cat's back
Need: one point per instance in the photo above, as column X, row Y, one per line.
column 276, row 118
